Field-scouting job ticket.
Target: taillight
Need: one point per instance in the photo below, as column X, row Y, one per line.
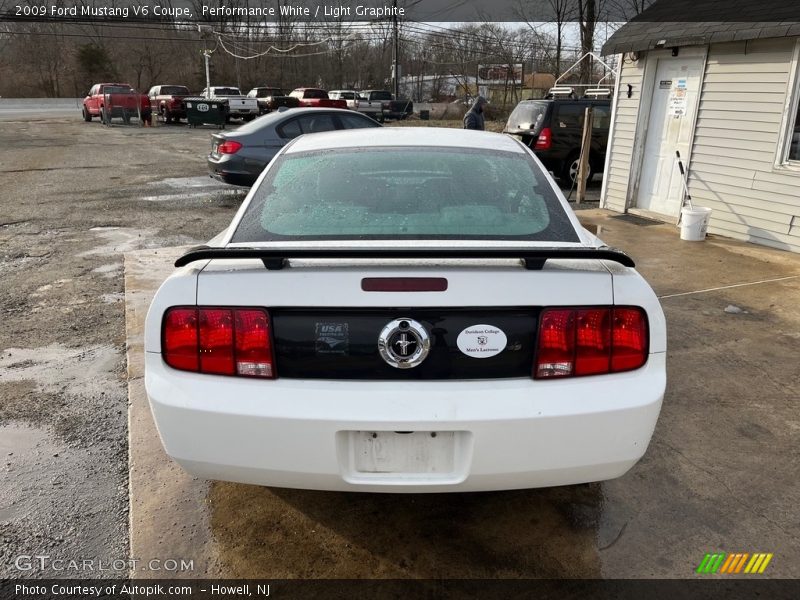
column 220, row 341
column 590, row 341
column 229, row 147
column 544, row 140
column 180, row 339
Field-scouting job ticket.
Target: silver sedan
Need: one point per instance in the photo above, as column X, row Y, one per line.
column 238, row 157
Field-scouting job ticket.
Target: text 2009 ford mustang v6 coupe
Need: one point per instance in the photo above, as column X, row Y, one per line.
column 405, row 310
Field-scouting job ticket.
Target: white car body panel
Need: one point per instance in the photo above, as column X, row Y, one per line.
column 337, row 434
column 520, row 433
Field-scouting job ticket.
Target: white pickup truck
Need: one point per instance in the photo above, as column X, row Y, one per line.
column 349, row 96
column 239, row 105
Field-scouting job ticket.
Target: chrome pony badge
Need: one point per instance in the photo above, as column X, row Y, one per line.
column 404, row 343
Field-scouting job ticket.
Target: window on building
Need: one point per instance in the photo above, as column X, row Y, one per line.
column 791, row 147
column 794, row 136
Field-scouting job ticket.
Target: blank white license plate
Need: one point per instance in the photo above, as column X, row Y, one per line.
column 418, row 452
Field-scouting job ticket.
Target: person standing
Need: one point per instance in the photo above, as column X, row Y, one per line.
column 474, row 119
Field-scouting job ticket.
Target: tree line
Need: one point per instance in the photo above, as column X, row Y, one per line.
column 63, row 59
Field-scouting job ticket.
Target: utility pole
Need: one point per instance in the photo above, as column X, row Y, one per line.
column 206, row 56
column 395, row 54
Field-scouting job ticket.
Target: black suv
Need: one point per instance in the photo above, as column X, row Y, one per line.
column 553, row 129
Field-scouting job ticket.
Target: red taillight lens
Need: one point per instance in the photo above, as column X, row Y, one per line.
column 544, row 140
column 220, row 341
column 590, row 341
column 180, row 339
column 253, row 349
column 229, row 147
column 556, row 356
column 216, row 341
column 593, row 341
column 630, row 339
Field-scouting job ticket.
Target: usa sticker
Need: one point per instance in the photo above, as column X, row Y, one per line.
column 481, row 341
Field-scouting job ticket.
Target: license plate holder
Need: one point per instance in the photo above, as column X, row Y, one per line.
column 412, row 453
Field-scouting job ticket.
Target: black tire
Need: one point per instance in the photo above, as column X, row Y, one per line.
column 167, row 116
column 569, row 169
column 86, row 115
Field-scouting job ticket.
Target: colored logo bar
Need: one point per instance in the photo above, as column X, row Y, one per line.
column 734, row 563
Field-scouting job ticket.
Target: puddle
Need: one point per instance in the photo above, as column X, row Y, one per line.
column 113, row 298
column 58, row 369
column 23, row 450
column 190, row 182
column 171, row 197
column 211, row 195
column 119, row 240
column 298, row 533
column 109, row 270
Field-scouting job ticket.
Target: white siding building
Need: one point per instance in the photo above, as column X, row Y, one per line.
column 723, row 95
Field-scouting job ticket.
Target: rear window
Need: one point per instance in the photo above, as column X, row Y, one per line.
column 527, row 116
column 174, row 90
column 405, row 193
column 381, row 95
column 227, row 91
column 117, row 89
column 315, row 94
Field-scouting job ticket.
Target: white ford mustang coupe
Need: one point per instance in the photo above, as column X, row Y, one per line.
column 405, row 310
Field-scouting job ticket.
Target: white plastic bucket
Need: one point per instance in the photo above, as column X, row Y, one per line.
column 694, row 223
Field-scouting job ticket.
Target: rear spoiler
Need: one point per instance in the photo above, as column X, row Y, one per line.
column 534, row 259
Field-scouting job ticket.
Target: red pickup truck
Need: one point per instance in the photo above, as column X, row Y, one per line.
column 115, row 100
column 316, row 98
column 167, row 101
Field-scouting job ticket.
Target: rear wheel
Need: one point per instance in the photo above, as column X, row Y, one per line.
column 86, row 115
column 569, row 170
column 167, row 116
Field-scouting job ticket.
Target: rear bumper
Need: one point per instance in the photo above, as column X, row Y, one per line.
column 234, row 172
column 509, row 434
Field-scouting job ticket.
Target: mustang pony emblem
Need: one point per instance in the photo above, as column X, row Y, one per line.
column 404, row 343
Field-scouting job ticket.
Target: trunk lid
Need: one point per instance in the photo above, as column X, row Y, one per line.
column 326, row 327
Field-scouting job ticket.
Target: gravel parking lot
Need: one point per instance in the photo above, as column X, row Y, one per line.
column 77, row 196
column 720, row 473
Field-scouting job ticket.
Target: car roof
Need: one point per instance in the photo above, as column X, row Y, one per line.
column 433, row 137
column 277, row 117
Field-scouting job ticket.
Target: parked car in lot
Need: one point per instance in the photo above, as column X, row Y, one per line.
column 405, row 310
column 238, row 157
column 349, row 96
column 271, row 98
column 553, row 129
column 239, row 106
column 316, row 98
column 115, row 100
column 390, row 107
column 167, row 101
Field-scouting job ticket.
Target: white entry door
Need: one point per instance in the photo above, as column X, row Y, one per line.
column 669, row 129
